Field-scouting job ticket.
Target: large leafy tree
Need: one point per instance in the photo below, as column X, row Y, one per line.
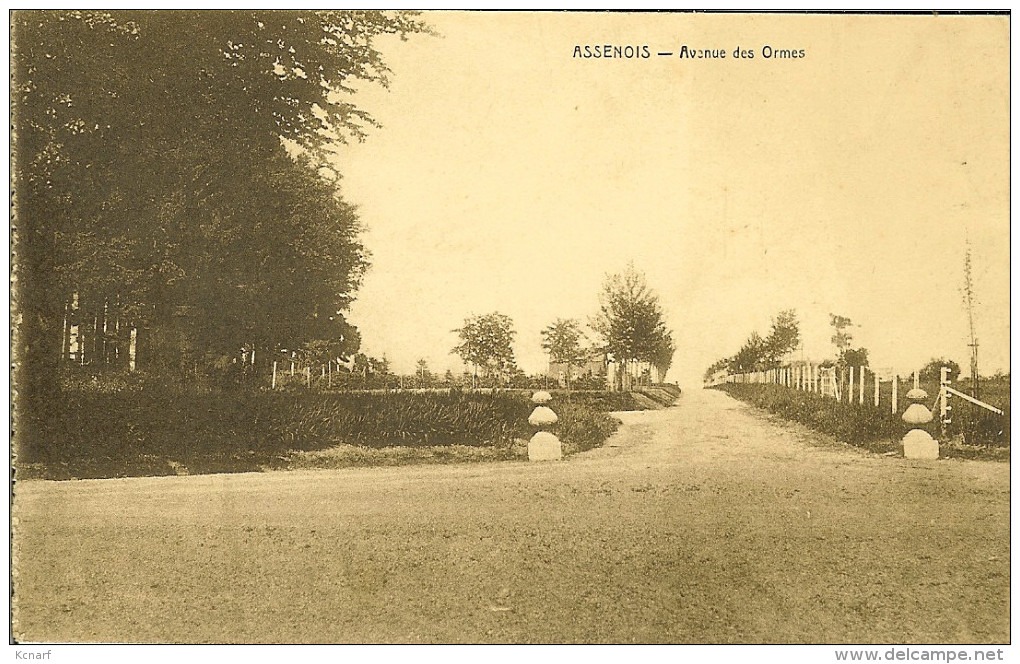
column 166, row 174
column 630, row 321
column 486, row 343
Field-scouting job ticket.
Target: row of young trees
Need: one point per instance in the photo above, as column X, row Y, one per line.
column 763, row 353
column 171, row 176
column 629, row 327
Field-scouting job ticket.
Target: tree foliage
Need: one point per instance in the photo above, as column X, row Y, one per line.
column 631, row 322
column 933, row 369
column 486, row 342
column 758, row 353
column 751, row 356
column 422, row 374
column 564, row 341
column 167, row 173
column 852, row 357
column 783, row 338
column 717, row 366
column 841, row 337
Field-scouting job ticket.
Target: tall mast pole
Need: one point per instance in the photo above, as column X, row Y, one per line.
column 968, row 295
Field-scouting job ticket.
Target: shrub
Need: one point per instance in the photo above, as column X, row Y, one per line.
column 582, row 427
column 154, row 430
column 138, row 427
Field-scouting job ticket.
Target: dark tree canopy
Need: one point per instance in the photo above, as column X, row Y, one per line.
column 166, row 172
column 932, row 370
column 852, row 357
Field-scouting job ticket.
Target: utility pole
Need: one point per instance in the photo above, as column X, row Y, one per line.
column 968, row 298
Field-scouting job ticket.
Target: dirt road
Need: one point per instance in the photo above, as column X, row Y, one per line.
column 704, row 523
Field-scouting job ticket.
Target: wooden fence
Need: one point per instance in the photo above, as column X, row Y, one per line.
column 860, row 385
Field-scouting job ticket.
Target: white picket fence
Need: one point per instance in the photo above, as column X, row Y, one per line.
column 850, row 385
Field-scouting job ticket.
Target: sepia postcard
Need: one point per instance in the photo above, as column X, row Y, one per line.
column 486, row 327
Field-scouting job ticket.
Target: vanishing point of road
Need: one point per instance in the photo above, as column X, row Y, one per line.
column 707, row 522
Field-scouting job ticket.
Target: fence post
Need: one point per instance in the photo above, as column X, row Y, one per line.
column 132, row 349
column 877, row 390
column 895, row 393
column 308, row 376
column 274, row 374
column 944, row 406
column 862, row 386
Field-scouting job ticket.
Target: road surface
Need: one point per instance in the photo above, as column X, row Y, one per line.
column 708, row 522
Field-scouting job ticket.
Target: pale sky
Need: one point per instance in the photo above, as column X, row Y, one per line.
column 510, row 176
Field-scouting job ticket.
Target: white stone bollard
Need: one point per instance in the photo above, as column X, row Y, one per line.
column 918, row 444
column 544, row 446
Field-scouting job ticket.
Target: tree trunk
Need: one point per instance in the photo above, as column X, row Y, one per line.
column 65, row 342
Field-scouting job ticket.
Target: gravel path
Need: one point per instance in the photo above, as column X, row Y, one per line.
column 708, row 522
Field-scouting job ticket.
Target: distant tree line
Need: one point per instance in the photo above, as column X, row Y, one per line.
column 762, row 353
column 630, row 328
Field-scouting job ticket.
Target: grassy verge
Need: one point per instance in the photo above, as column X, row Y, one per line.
column 163, row 430
column 867, row 426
